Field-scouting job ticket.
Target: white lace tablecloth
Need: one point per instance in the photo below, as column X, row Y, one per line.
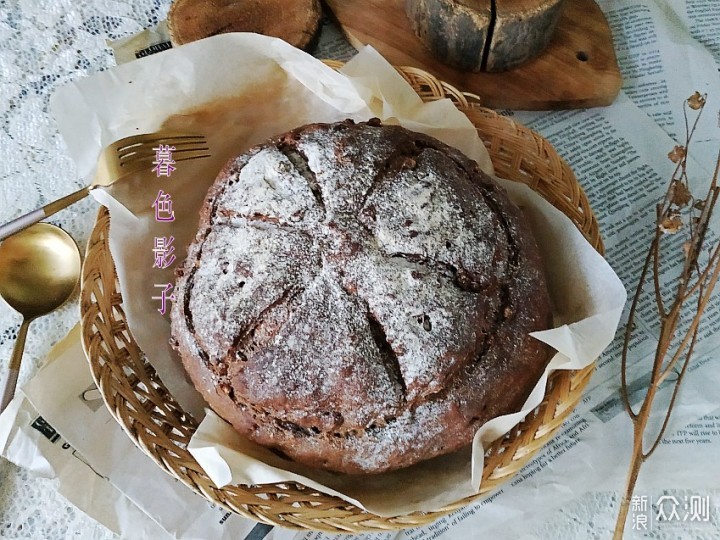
column 43, row 45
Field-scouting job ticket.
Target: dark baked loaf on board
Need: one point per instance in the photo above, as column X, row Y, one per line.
column 359, row 298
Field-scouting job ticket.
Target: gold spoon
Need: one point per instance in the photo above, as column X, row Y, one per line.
column 39, row 269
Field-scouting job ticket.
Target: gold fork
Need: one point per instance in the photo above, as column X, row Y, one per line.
column 120, row 159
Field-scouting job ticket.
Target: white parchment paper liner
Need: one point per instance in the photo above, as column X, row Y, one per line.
column 296, row 89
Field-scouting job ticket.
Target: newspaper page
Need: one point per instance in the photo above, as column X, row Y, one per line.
column 701, row 20
column 662, row 64
column 617, row 154
column 332, row 43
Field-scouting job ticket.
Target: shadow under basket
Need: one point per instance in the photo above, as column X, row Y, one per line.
column 152, row 418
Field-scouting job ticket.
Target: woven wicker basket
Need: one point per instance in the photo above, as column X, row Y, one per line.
column 160, row 428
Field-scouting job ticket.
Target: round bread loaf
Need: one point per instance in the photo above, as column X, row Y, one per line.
column 359, row 297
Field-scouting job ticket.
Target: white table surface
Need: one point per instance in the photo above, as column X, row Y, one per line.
column 44, row 44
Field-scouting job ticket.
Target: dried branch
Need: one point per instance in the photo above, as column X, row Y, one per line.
column 678, row 212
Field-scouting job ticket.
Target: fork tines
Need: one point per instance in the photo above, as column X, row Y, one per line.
column 137, row 151
column 156, row 138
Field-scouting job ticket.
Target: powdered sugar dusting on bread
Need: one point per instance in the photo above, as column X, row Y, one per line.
column 432, row 210
column 269, row 186
column 251, row 267
column 351, row 379
column 345, row 172
column 344, row 288
column 431, row 325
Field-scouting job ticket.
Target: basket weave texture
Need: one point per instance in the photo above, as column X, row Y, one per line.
column 152, row 418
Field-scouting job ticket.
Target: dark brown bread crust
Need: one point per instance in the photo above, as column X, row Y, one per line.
column 359, row 297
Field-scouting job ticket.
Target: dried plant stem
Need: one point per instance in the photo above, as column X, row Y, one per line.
column 640, row 419
column 693, row 282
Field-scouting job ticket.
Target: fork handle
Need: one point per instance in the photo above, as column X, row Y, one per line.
column 23, row 222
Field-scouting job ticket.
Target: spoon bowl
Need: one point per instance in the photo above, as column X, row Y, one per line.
column 39, row 270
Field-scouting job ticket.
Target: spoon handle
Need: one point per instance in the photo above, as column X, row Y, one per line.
column 23, row 222
column 9, row 380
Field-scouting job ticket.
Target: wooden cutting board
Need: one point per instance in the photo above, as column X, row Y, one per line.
column 577, row 69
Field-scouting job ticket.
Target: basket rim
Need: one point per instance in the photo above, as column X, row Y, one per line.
column 347, row 517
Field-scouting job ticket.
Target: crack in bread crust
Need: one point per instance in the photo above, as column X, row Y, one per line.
column 301, row 165
column 388, row 355
column 401, row 157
